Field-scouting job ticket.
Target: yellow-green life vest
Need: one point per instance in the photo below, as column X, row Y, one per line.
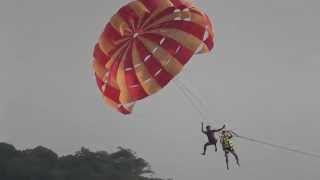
column 227, row 142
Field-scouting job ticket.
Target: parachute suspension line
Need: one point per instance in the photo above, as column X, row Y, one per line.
column 202, row 106
column 192, row 97
column 284, row 148
column 191, row 93
column 192, row 102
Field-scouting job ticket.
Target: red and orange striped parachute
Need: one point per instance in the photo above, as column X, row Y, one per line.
column 145, row 45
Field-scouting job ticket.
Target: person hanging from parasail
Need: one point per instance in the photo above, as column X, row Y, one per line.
column 212, row 140
column 227, row 146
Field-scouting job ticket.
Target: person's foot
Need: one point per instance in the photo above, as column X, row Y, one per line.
column 216, row 149
column 203, row 153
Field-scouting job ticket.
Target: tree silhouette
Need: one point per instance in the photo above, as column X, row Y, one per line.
column 41, row 163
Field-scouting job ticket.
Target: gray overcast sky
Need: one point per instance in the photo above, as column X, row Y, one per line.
column 262, row 80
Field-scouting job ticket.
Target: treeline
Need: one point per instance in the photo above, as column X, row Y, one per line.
column 42, row 163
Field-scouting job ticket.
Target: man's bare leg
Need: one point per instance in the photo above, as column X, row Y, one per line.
column 236, row 156
column 227, row 159
column 205, row 148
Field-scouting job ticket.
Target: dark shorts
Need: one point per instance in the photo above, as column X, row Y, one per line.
column 228, row 149
column 211, row 141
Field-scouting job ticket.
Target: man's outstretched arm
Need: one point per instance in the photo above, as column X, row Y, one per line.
column 202, row 130
column 217, row 130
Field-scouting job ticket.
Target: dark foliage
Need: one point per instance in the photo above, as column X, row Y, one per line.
column 41, row 163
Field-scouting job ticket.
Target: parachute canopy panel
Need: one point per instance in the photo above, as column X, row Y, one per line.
column 145, row 45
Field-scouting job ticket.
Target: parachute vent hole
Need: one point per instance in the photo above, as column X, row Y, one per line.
column 135, row 35
column 104, row 87
column 162, row 41
column 134, row 86
column 105, row 77
column 158, row 72
column 178, row 18
column 178, row 49
column 186, row 10
column 147, row 58
column 155, row 50
column 177, row 11
column 206, row 35
column 128, row 69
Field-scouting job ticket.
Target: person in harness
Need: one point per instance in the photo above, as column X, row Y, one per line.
column 211, row 137
column 227, row 146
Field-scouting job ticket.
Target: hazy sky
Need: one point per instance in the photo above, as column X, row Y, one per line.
column 261, row 80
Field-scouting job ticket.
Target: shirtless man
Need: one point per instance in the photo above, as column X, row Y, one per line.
column 212, row 140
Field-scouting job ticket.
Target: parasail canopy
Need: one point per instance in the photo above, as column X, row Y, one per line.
column 145, row 45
